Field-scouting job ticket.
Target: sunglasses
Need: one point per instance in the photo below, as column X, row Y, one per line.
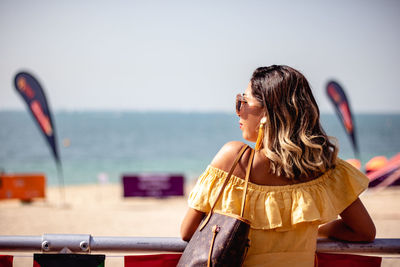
column 239, row 101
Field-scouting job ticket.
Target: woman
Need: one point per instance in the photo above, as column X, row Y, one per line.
column 297, row 181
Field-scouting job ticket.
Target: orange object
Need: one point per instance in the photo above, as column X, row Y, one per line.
column 376, row 163
column 22, row 186
column 355, row 162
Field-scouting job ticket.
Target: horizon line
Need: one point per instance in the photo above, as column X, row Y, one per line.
column 383, row 112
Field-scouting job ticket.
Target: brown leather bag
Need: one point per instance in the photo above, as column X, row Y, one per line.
column 221, row 239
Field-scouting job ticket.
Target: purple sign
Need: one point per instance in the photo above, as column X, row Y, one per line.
column 152, row 185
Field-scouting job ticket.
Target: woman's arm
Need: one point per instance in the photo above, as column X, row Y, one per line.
column 190, row 223
column 355, row 225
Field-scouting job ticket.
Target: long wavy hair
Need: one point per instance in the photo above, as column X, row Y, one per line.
column 294, row 140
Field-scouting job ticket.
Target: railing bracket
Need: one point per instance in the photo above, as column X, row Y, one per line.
column 66, row 243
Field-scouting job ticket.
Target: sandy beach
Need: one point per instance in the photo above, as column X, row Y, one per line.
column 100, row 210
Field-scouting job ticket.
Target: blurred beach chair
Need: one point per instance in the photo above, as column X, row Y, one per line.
column 23, row 186
column 387, row 175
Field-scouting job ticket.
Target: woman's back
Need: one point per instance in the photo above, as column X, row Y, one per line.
column 284, row 215
column 260, row 171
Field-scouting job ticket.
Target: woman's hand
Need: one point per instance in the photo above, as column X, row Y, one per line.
column 190, row 223
column 355, row 225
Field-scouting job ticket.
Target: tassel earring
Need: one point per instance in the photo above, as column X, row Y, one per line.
column 260, row 136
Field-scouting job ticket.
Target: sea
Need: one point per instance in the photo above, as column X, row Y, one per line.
column 102, row 146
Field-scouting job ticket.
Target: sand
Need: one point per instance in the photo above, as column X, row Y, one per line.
column 93, row 209
column 100, row 210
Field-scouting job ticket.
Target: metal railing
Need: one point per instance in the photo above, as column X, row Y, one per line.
column 86, row 243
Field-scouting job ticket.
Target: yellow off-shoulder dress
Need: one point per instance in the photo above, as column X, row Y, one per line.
column 284, row 219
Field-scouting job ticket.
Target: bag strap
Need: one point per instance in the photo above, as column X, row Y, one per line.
column 223, row 186
column 229, row 175
column 247, row 181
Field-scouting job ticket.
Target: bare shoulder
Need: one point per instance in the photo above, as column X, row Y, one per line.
column 226, row 155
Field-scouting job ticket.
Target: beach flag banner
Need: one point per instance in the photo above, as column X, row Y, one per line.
column 347, row 260
column 156, row 260
column 6, row 261
column 153, row 185
column 68, row 260
column 342, row 107
column 31, row 91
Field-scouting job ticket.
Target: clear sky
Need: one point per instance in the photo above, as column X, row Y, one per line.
column 196, row 55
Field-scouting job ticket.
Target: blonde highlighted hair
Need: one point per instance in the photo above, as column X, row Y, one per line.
column 294, row 141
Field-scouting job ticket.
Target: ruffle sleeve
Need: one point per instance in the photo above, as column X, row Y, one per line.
column 204, row 192
column 282, row 207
